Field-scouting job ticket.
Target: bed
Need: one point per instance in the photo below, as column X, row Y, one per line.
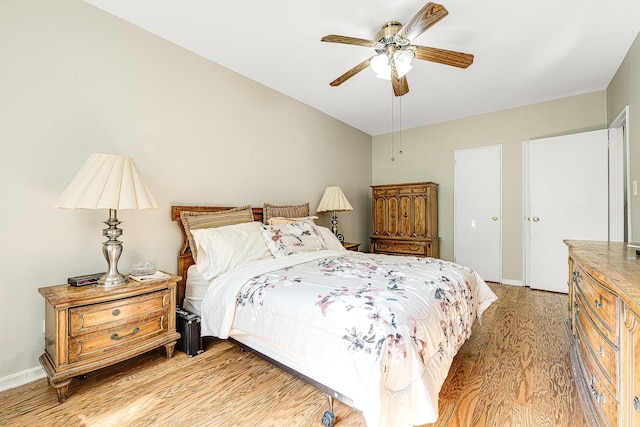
column 377, row 332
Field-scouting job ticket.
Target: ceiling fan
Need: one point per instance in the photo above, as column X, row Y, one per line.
column 394, row 50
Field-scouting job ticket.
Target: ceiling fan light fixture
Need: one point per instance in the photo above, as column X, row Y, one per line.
column 380, row 64
column 403, row 61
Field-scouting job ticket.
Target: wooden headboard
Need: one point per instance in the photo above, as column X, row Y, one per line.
column 185, row 258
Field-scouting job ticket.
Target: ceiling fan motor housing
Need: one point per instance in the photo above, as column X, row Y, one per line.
column 387, row 33
column 388, row 41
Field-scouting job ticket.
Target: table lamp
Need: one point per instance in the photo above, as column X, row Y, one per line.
column 334, row 200
column 108, row 181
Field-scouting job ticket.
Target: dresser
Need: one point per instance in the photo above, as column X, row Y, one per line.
column 88, row 328
column 604, row 321
column 405, row 219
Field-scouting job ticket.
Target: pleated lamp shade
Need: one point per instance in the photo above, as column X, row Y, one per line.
column 334, row 199
column 107, row 181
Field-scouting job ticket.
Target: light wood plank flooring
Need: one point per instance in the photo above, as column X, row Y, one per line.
column 514, row 371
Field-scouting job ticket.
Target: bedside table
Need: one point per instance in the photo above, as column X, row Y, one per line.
column 351, row 246
column 88, row 328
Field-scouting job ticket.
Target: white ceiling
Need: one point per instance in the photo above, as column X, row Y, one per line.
column 525, row 51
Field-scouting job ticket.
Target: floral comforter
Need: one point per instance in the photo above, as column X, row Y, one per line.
column 380, row 329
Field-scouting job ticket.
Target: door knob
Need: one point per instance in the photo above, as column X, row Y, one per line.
column 495, row 218
column 535, row 219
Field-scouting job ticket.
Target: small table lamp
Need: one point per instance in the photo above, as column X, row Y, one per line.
column 108, row 181
column 334, row 200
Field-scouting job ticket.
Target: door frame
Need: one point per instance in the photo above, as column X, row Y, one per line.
column 619, row 179
column 526, row 224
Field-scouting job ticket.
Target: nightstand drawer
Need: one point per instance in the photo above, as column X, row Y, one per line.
column 87, row 346
column 97, row 317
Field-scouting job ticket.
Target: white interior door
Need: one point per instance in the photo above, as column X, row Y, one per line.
column 566, row 198
column 478, row 210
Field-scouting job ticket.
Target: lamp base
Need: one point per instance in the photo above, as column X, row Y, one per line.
column 108, row 281
column 334, row 223
column 112, row 249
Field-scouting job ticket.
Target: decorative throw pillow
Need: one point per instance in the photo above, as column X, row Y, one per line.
column 195, row 220
column 278, row 220
column 287, row 239
column 286, row 211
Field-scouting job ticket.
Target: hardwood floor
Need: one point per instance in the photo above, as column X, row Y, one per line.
column 513, row 371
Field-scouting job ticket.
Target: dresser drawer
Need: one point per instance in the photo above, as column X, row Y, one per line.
column 606, row 405
column 88, row 346
column 601, row 353
column 405, row 248
column 602, row 303
column 97, row 317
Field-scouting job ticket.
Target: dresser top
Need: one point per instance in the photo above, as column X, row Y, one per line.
column 406, row 184
column 611, row 263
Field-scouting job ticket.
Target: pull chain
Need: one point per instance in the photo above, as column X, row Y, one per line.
column 393, row 159
column 400, row 120
column 393, row 122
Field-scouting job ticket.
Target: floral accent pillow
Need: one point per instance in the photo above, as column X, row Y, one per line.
column 287, row 239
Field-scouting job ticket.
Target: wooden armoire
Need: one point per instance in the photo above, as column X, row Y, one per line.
column 405, row 219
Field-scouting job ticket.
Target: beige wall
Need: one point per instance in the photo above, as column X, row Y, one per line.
column 76, row 80
column 428, row 156
column 624, row 90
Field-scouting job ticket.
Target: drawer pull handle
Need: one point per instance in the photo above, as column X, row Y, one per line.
column 575, row 307
column 115, row 312
column 598, row 397
column 597, row 304
column 636, row 404
column 117, row 337
column 406, row 215
column 601, row 351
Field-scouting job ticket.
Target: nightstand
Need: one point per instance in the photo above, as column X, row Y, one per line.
column 351, row 246
column 88, row 328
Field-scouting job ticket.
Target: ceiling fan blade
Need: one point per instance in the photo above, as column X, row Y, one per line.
column 442, row 56
column 421, row 21
column 400, row 85
column 352, row 72
column 332, row 38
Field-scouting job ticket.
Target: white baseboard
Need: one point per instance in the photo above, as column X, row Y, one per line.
column 512, row 282
column 20, row 378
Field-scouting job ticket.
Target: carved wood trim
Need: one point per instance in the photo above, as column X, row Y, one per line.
column 630, row 319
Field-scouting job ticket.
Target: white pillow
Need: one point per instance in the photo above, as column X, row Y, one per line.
column 330, row 239
column 278, row 220
column 288, row 239
column 223, row 248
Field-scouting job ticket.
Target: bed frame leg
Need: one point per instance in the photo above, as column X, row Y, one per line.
column 329, row 418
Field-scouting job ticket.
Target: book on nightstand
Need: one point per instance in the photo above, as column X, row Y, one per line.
column 158, row 275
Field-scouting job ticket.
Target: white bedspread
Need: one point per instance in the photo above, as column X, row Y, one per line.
column 382, row 330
